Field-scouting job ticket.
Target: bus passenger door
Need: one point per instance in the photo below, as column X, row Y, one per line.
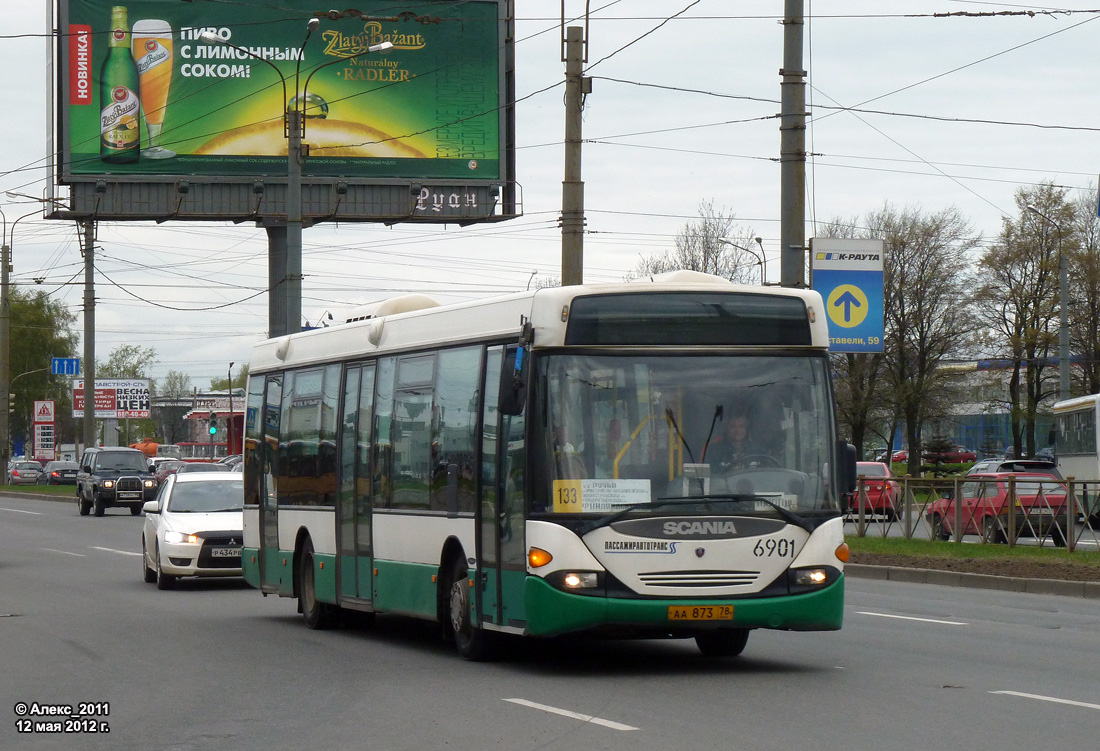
column 487, row 593
column 269, row 499
column 353, row 540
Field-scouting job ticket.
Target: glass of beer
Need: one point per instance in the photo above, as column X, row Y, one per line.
column 152, row 49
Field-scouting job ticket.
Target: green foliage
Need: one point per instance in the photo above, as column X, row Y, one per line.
column 41, row 328
column 127, row 361
column 240, row 379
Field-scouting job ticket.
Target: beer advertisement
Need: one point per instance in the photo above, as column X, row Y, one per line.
column 164, row 87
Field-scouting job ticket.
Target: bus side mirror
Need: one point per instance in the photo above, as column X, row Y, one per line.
column 513, row 380
column 846, row 458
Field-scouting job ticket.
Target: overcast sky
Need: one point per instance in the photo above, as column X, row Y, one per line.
column 954, row 111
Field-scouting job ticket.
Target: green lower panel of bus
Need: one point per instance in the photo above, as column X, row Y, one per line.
column 408, row 588
column 277, row 569
column 551, row 611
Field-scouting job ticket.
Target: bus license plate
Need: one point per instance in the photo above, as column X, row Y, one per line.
column 225, row 552
column 700, row 613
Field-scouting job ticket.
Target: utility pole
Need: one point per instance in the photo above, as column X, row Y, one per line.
column 5, row 344
column 89, row 334
column 792, row 151
column 572, row 188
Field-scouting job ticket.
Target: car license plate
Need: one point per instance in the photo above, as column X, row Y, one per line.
column 700, row 613
column 225, row 552
column 126, row 496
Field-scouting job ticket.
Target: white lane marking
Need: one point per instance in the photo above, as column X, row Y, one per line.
column 574, row 715
column 112, row 550
column 64, row 552
column 1054, row 699
column 21, row 511
column 911, row 618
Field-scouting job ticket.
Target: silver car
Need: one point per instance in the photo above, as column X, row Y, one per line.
column 23, row 473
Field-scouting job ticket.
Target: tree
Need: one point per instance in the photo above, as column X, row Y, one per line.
column 239, row 380
column 175, row 388
column 1017, row 302
column 127, row 361
column 1084, row 293
column 699, row 248
column 927, row 309
column 41, row 329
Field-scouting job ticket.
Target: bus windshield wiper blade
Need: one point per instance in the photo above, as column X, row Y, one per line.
column 789, row 516
column 613, row 517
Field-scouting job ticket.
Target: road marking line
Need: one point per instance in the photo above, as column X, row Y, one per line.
column 112, row 550
column 64, row 552
column 574, row 715
column 1054, row 699
column 911, row 618
column 21, row 511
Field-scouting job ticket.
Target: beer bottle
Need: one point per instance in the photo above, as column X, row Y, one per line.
column 119, row 127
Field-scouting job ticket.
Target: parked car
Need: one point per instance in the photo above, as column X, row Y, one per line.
column 59, row 473
column 1040, row 508
column 955, row 455
column 1035, row 466
column 23, row 473
column 193, row 528
column 189, row 467
column 1046, row 454
column 883, row 494
column 113, row 477
column 900, row 456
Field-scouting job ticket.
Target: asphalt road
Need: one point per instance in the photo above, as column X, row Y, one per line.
column 214, row 665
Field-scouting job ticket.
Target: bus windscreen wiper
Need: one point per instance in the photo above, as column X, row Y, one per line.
column 613, row 517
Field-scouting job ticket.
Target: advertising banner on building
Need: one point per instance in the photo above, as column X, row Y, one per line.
column 116, row 398
column 171, row 88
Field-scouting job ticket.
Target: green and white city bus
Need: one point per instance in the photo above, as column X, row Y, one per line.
column 537, row 464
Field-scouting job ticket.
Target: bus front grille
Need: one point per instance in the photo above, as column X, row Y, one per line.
column 699, row 578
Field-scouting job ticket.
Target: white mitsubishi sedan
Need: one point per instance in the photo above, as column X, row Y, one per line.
column 193, row 528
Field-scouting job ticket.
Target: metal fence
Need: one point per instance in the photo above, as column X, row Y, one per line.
column 1026, row 511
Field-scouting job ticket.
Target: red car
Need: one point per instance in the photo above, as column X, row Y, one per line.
column 956, row 455
column 1040, row 508
column 883, row 493
column 900, row 456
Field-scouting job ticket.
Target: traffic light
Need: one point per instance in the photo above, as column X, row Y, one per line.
column 213, row 423
column 11, row 403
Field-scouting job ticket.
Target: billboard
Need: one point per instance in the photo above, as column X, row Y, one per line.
column 159, row 90
column 849, row 275
column 116, row 398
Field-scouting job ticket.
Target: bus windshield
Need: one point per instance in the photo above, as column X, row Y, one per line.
column 620, row 430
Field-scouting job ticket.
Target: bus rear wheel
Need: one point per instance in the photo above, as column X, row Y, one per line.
column 725, row 642
column 316, row 614
column 472, row 642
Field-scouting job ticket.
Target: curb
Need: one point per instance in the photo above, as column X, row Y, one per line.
column 1087, row 590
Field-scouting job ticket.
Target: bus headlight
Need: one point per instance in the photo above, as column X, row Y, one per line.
column 578, row 580
column 810, row 579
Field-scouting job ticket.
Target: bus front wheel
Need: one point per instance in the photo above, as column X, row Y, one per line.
column 725, row 642
column 472, row 642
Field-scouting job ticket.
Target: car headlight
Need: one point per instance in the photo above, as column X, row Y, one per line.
column 177, row 537
column 108, row 484
column 150, row 484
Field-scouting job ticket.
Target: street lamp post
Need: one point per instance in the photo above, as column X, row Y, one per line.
column 1063, row 310
column 759, row 258
column 285, row 309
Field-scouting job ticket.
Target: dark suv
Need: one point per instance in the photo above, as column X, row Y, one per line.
column 111, row 477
